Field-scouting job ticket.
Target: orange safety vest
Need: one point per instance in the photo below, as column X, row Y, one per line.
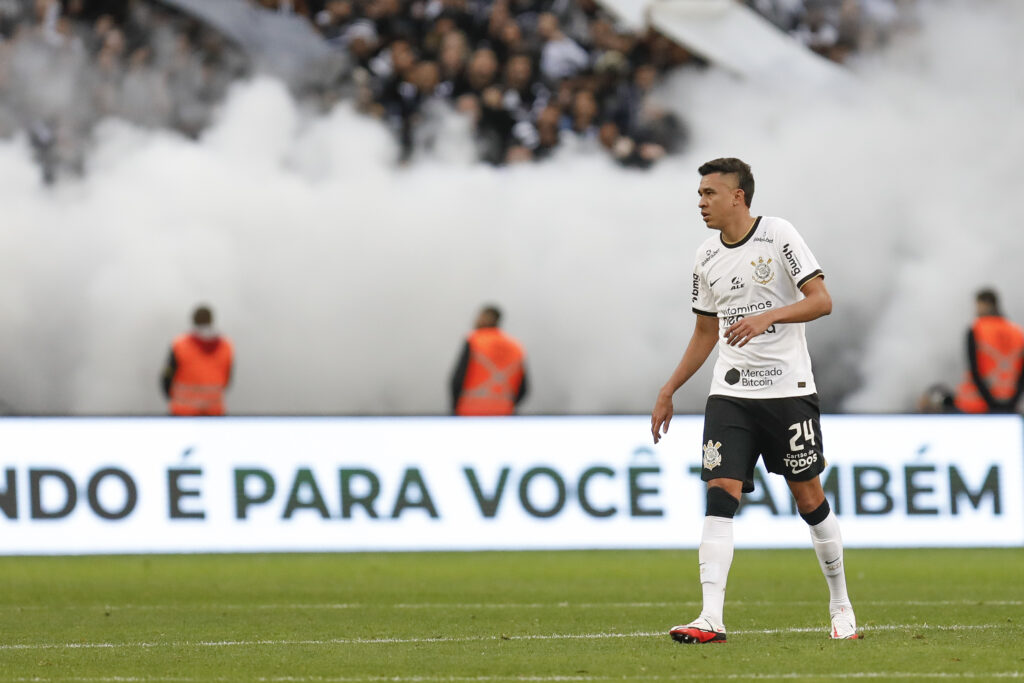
column 493, row 375
column 1000, row 357
column 203, row 371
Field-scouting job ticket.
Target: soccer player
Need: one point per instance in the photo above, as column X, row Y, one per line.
column 755, row 284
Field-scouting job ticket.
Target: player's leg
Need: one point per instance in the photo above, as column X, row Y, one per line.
column 728, row 467
column 716, row 546
column 828, row 546
column 791, row 428
column 715, row 558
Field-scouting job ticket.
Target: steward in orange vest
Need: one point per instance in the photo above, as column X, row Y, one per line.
column 198, row 369
column 490, row 377
column 995, row 354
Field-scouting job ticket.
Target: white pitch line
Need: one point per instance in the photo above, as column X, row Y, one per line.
column 846, row 675
column 455, row 639
column 506, row 605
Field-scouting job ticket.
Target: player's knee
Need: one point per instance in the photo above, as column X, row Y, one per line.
column 818, row 515
column 720, row 503
column 808, row 496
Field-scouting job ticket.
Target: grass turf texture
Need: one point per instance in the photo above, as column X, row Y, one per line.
column 541, row 616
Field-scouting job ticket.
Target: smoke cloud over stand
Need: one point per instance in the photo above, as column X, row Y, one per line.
column 347, row 283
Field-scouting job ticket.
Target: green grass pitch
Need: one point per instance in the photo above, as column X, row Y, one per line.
column 533, row 616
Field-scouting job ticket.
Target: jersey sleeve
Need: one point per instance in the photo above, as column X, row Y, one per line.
column 797, row 257
column 702, row 301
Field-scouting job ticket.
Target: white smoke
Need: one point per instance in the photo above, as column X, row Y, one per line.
column 347, row 283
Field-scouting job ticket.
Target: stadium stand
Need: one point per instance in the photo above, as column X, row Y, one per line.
column 532, row 75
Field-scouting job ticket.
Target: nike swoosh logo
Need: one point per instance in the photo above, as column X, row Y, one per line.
column 802, row 469
column 832, row 562
column 715, row 282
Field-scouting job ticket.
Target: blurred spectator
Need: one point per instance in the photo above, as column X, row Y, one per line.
column 483, row 70
column 498, row 15
column 494, row 127
column 144, row 96
column 582, row 119
column 576, row 17
column 390, row 21
column 331, row 20
column 561, row 56
column 362, row 42
column 391, row 68
column 198, row 369
column 452, row 66
column 938, row 398
column 413, row 95
column 490, row 375
column 817, row 29
column 548, row 132
column 510, row 41
column 995, row 359
column 523, row 97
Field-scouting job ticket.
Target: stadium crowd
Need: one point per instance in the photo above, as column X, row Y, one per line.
column 536, row 74
column 531, row 75
column 837, row 28
column 66, row 65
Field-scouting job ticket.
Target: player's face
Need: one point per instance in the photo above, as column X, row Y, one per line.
column 719, row 195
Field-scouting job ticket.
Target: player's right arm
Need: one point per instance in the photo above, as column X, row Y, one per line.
column 703, row 340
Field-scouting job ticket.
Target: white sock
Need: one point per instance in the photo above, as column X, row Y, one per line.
column 828, row 546
column 715, row 557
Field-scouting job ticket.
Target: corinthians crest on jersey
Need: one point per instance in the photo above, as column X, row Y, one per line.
column 763, row 271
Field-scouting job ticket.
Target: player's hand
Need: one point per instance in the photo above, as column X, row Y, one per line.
column 661, row 416
column 745, row 329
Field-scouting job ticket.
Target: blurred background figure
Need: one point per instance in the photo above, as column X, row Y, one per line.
column 938, row 398
column 198, row 368
column 490, row 376
column 995, row 357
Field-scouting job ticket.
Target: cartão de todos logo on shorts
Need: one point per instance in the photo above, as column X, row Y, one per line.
column 712, row 458
column 763, row 273
column 800, row 462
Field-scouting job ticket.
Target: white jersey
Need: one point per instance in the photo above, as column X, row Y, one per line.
column 763, row 271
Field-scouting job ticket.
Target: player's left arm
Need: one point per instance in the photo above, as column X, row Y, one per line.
column 817, row 302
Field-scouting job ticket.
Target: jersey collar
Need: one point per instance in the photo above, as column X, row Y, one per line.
column 746, row 238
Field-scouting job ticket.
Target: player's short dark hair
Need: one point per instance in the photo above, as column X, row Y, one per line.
column 202, row 316
column 745, row 179
column 989, row 298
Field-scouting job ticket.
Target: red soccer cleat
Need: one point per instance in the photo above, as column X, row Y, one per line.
column 698, row 632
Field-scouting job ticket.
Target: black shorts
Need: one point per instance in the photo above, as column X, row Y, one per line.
column 784, row 432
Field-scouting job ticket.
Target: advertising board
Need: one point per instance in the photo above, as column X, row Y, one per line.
column 109, row 485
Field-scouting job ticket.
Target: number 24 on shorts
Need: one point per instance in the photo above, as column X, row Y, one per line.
column 801, row 430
